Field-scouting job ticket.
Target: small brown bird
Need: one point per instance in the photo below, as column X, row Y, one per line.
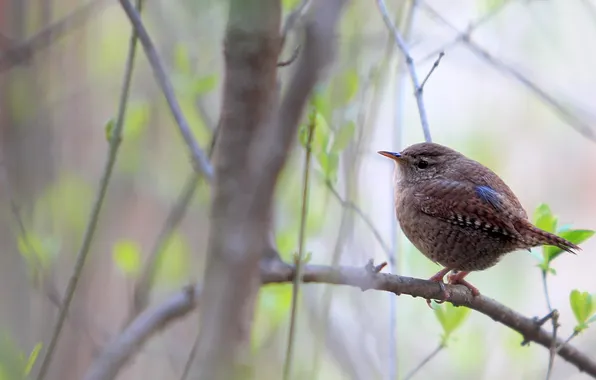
column 459, row 213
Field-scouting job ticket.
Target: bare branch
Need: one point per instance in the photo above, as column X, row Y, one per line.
column 555, row 105
column 401, row 43
column 24, row 51
column 148, row 323
column 432, row 69
column 473, row 26
column 115, row 139
column 200, row 161
column 129, row 342
column 145, row 282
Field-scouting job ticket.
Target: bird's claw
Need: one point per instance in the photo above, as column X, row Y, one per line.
column 458, row 279
column 445, row 293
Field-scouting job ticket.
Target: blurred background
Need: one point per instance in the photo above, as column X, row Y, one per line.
column 515, row 91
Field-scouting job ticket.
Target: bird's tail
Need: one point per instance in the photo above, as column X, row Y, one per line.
column 534, row 236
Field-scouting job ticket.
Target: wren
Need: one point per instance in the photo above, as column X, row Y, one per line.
column 459, row 213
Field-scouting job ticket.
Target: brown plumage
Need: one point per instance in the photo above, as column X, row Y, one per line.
column 459, row 213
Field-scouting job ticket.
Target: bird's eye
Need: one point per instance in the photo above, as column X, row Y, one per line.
column 422, row 164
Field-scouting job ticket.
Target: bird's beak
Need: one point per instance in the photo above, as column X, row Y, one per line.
column 392, row 155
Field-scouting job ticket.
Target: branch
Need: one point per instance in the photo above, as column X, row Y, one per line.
column 200, row 161
column 472, row 27
column 401, row 43
column 147, row 324
column 560, row 110
column 115, row 140
column 130, row 340
column 24, row 51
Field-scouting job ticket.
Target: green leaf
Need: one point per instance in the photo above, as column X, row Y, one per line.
column 329, row 163
column 32, row 358
column 182, row 59
column 290, row 4
column 343, row 136
column 490, row 6
column 204, row 85
column 544, row 219
column 127, row 256
column 109, row 128
column 321, row 135
column 575, row 236
column 320, row 101
column 450, row 318
column 583, row 307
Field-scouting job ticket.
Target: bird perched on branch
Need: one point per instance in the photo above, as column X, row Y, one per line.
column 459, row 213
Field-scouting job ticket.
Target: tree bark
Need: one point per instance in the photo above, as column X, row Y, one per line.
column 239, row 216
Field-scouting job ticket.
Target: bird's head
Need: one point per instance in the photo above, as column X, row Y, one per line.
column 423, row 161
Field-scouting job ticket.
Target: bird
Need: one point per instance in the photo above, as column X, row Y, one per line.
column 459, row 213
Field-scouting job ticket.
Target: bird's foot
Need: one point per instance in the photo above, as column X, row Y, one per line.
column 457, row 278
column 438, row 278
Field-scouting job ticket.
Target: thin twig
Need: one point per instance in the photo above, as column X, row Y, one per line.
column 554, row 317
column 546, row 294
column 559, row 109
column 400, row 42
column 425, row 361
column 553, row 347
column 190, row 359
column 292, row 58
column 433, row 68
column 569, row 338
column 130, row 341
column 300, row 257
column 352, row 206
column 115, row 140
column 473, row 26
column 50, row 292
column 146, row 280
column 200, row 161
column 22, row 52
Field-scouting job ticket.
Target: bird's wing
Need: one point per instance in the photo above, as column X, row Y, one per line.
column 468, row 205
